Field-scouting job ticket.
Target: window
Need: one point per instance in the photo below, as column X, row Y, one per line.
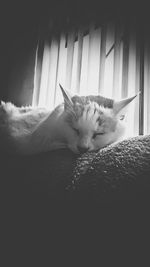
column 108, row 60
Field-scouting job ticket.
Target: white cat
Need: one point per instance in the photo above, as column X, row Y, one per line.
column 81, row 123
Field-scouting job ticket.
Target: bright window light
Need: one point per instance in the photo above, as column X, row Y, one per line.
column 76, row 66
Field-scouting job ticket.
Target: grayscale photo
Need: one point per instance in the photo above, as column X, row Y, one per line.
column 75, row 127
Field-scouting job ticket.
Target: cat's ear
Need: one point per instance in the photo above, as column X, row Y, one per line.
column 119, row 105
column 67, row 98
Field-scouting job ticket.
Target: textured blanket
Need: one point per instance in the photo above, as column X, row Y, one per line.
column 120, row 171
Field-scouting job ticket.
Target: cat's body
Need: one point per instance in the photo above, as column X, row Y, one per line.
column 80, row 124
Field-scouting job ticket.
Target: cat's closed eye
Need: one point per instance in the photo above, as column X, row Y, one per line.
column 96, row 134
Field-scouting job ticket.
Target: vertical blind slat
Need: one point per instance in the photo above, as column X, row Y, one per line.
column 52, row 73
column 146, row 83
column 44, row 74
column 79, row 58
column 141, row 96
column 147, row 86
column 137, row 85
column 61, row 68
column 116, row 71
column 102, row 60
column 148, row 91
column 125, row 65
column 91, row 32
column 130, row 90
column 70, row 52
column 57, row 69
column 37, row 74
column 84, row 65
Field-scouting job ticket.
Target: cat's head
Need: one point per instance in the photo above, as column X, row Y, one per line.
column 93, row 121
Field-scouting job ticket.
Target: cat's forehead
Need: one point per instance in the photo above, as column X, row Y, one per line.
column 88, row 108
column 84, row 109
column 93, row 117
column 91, row 109
column 100, row 100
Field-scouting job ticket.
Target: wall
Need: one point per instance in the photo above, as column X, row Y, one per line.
column 21, row 76
column 19, row 30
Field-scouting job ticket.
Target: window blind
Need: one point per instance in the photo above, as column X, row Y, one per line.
column 109, row 60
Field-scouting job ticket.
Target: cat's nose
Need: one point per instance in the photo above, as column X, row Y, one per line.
column 82, row 149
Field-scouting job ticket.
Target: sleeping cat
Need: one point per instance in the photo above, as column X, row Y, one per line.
column 81, row 123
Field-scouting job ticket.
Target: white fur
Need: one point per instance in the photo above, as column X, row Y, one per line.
column 30, row 130
column 112, row 127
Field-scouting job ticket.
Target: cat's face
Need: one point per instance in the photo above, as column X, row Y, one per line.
column 91, row 126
